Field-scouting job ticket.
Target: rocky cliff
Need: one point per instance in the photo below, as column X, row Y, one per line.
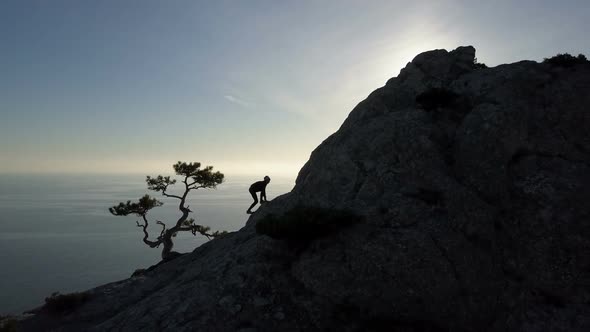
column 474, row 187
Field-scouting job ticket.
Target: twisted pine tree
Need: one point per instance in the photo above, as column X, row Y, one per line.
column 193, row 178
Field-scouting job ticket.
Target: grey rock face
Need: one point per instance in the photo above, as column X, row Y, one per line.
column 477, row 218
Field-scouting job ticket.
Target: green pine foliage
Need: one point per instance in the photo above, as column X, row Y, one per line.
column 139, row 208
column 204, row 178
column 566, row 60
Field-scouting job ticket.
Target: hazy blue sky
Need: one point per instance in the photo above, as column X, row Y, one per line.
column 248, row 86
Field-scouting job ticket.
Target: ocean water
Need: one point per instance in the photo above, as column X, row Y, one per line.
column 56, row 234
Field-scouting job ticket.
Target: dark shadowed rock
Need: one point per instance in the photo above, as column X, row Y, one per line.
column 475, row 218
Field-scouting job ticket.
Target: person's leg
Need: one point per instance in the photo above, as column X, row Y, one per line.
column 253, row 204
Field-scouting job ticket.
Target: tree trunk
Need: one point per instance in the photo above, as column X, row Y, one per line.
column 167, row 242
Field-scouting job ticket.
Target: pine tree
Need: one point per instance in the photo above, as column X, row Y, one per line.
column 193, row 178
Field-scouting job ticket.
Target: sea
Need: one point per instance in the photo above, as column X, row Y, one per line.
column 57, row 235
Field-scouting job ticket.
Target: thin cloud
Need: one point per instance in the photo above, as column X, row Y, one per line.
column 237, row 101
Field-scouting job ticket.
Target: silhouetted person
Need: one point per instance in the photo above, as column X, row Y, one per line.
column 259, row 186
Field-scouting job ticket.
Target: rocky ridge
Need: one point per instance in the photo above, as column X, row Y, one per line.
column 476, row 218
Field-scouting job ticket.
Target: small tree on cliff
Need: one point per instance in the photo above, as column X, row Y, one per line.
column 193, row 178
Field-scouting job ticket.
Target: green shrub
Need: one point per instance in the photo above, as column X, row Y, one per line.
column 434, row 98
column 566, row 60
column 60, row 303
column 305, row 223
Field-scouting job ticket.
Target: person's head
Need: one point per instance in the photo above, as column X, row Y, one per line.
column 266, row 179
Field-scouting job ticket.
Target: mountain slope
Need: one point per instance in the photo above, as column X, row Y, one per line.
column 473, row 185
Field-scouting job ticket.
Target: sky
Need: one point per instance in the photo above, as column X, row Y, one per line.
column 250, row 87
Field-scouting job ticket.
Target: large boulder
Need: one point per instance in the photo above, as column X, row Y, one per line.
column 473, row 185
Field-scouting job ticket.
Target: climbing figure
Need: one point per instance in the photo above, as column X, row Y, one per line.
column 259, row 186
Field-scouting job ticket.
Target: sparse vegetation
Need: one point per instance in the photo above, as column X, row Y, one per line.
column 8, row 324
column 138, row 272
column 61, row 303
column 479, row 65
column 304, row 223
column 434, row 98
column 566, row 60
column 193, row 178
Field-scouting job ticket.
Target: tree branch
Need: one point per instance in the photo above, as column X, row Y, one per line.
column 169, row 195
column 185, row 210
column 150, row 243
column 163, row 227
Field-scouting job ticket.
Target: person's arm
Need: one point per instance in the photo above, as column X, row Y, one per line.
column 263, row 194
